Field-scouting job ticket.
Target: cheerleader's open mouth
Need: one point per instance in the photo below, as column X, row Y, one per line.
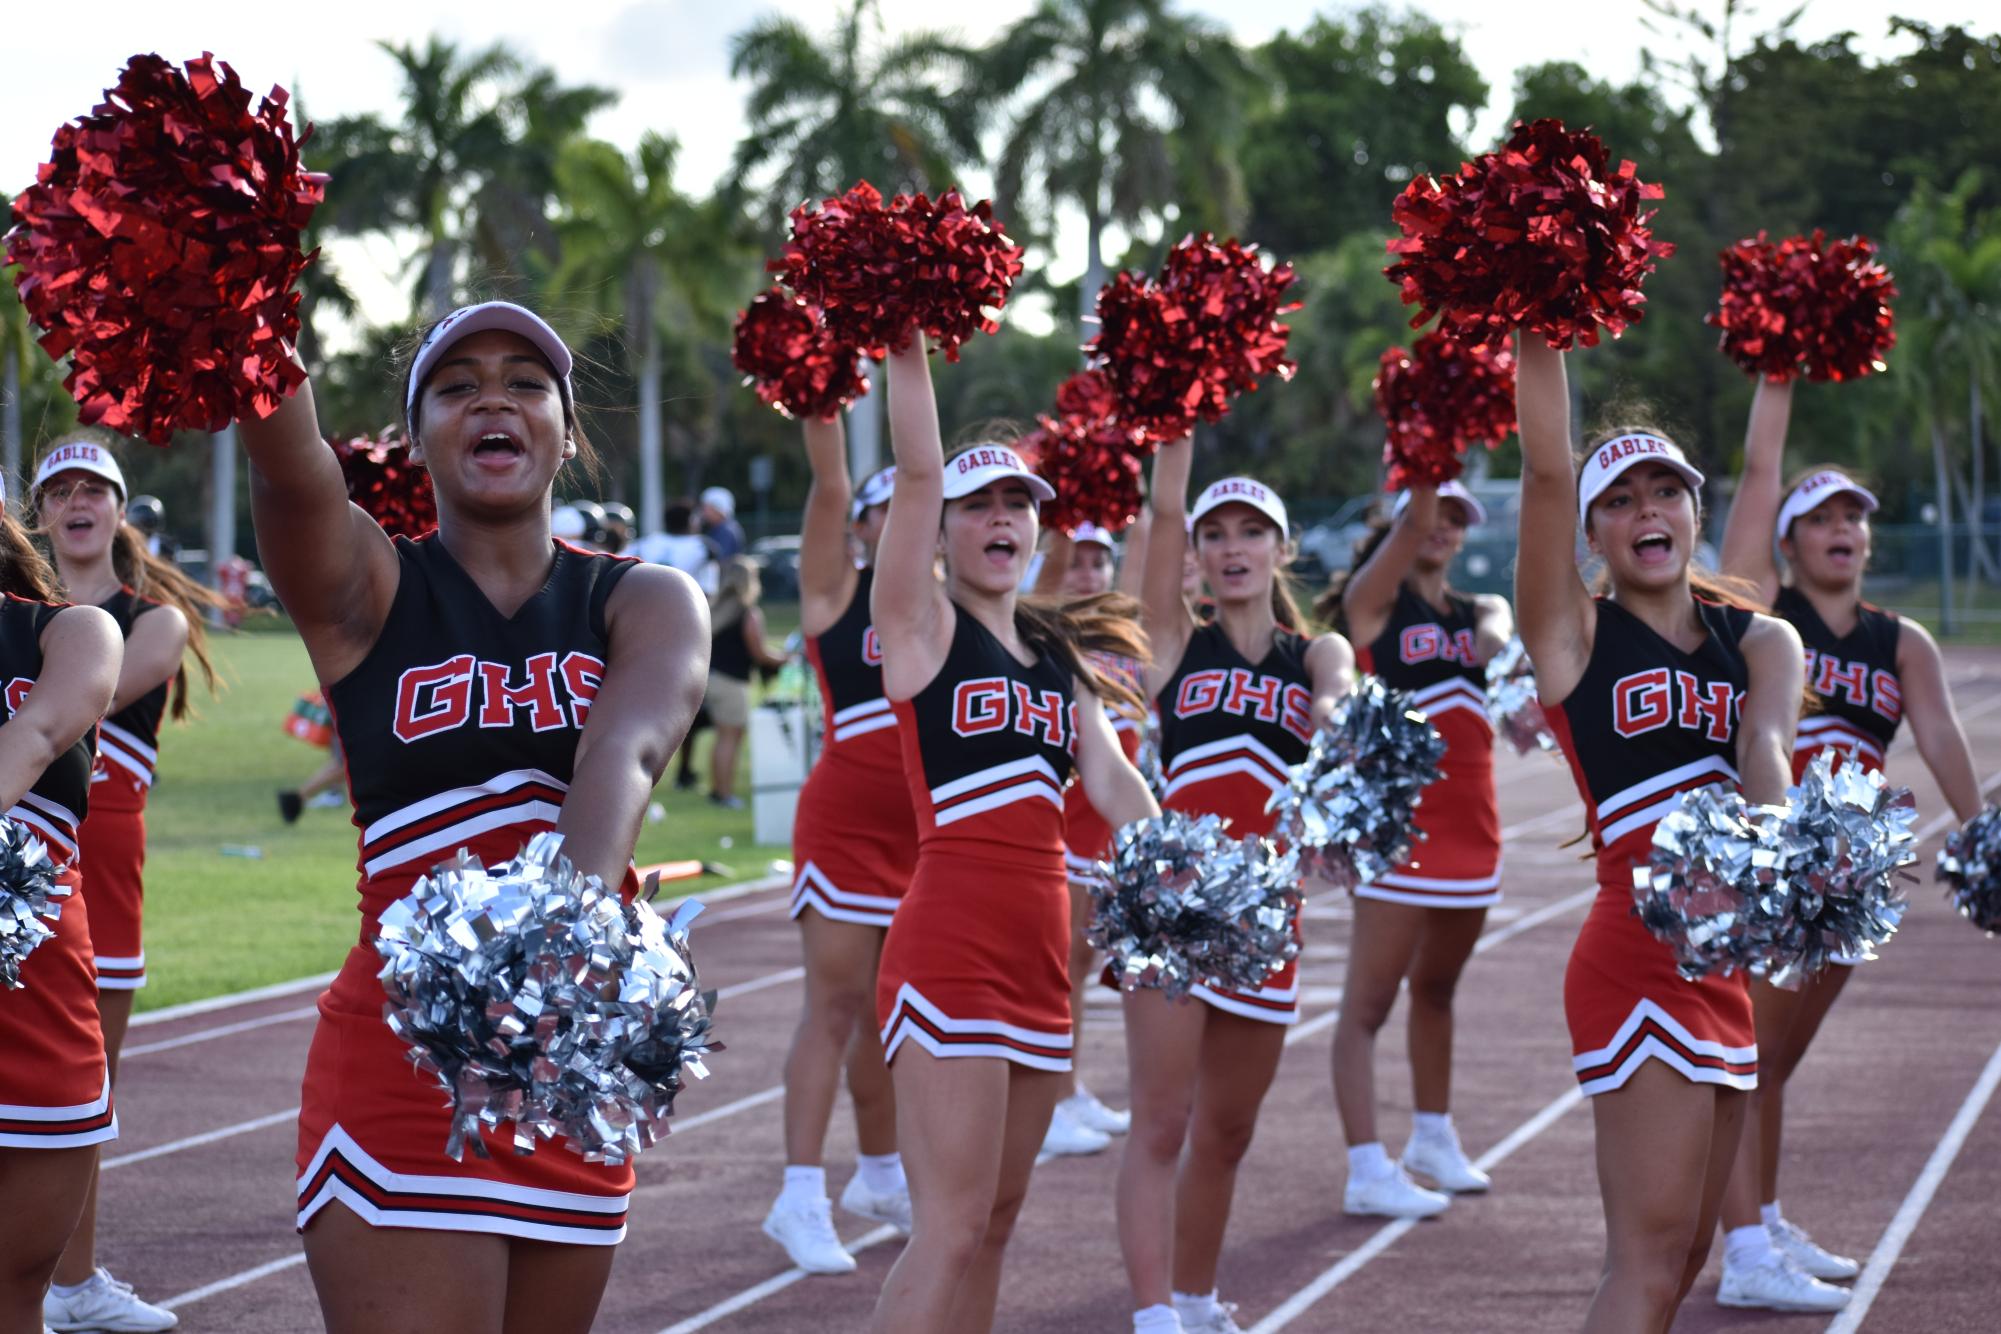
column 1653, row 548
column 1841, row 551
column 497, row 447
column 1000, row 550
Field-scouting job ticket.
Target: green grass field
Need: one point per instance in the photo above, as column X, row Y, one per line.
column 218, row 923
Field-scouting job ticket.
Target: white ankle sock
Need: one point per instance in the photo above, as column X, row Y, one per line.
column 1746, row 1247
column 1434, row 1126
column 1201, row 1305
column 1156, row 1319
column 69, row 1289
column 881, row 1173
column 803, row 1185
column 1770, row 1213
column 1369, row 1162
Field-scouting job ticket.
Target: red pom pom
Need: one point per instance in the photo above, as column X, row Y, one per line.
column 158, row 248
column 388, row 484
column 783, row 350
column 1538, row 235
column 1438, row 399
column 876, row 270
column 1183, row 348
column 1806, row 304
column 1089, row 456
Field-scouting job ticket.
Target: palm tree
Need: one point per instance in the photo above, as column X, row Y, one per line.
column 1093, row 77
column 17, row 347
column 636, row 249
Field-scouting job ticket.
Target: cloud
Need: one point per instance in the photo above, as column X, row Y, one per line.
column 656, row 40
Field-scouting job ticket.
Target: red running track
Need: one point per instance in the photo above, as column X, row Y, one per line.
column 1894, row 1147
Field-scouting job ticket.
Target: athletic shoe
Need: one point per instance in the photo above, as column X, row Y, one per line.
column 729, row 803
column 892, row 1207
column 1392, row 1196
column 1777, row 1284
column 331, row 799
column 289, row 806
column 807, row 1234
column 1440, row 1158
column 1208, row 1317
column 1069, row 1137
column 1791, row 1241
column 1085, row 1109
column 104, row 1303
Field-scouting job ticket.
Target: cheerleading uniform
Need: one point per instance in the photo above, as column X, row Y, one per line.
column 854, row 836
column 54, row 1093
column 460, row 729
column 977, row 960
column 1646, row 724
column 1087, row 836
column 114, row 837
column 1855, row 677
column 1230, row 732
column 1431, row 657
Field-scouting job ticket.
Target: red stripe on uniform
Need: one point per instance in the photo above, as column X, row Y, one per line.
column 472, row 1206
column 1650, row 1029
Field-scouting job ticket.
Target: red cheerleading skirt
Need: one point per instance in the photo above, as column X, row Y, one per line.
column 111, row 846
column 1626, row 1005
column 54, row 1093
column 977, row 961
column 854, row 843
column 1457, row 864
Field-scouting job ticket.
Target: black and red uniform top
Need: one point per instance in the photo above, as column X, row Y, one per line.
column 987, row 748
column 1432, row 656
column 460, row 726
column 1647, row 723
column 52, row 809
column 128, row 741
column 860, row 737
column 1855, row 676
column 1231, row 730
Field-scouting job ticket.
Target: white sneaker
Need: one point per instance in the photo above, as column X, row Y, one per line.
column 1085, row 1109
column 807, row 1234
column 331, row 799
column 1392, row 1196
column 1791, row 1241
column 1208, row 1317
column 1439, row 1157
column 891, row 1207
column 1777, row 1285
column 1069, row 1137
column 106, row 1304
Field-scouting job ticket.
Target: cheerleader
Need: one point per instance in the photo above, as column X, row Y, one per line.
column 487, row 683
column 79, row 500
column 1653, row 688
column 995, row 705
column 61, row 665
column 1421, row 920
column 1080, row 565
column 854, row 846
column 1239, row 698
column 1868, row 668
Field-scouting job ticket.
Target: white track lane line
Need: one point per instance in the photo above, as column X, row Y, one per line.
column 777, row 1283
column 222, row 1285
column 196, row 1141
column 221, row 1031
column 1386, row 1236
column 1898, row 1234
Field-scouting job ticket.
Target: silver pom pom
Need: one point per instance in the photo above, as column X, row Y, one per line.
column 1512, row 703
column 1781, row 890
column 1970, row 866
column 27, row 905
column 1180, row 903
column 1347, row 809
column 535, row 996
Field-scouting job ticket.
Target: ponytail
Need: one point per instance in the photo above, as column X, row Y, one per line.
column 148, row 576
column 24, row 571
column 1106, row 623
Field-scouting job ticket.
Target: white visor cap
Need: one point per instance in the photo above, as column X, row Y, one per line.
column 1240, row 491
column 1611, row 459
column 983, row 465
column 1088, row 534
column 1822, row 486
column 80, row 456
column 1476, row 513
column 469, row 320
column 874, row 490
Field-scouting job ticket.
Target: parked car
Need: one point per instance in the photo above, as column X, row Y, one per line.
column 777, row 560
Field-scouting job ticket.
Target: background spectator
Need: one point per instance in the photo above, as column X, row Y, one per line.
column 681, row 547
column 719, row 523
column 737, row 648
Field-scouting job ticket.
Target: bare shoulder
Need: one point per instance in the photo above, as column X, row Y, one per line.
column 647, row 591
column 1771, row 635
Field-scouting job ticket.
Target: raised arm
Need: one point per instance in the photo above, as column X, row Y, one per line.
column 1556, row 612
column 1167, row 620
column 1935, row 721
column 827, row 577
column 1771, row 709
column 81, row 652
column 659, row 667
column 1056, row 552
column 329, row 563
column 1747, row 537
column 1370, row 594
column 1111, row 783
column 1132, row 566
column 912, row 616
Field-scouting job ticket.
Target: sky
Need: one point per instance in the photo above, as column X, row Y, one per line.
column 668, row 60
